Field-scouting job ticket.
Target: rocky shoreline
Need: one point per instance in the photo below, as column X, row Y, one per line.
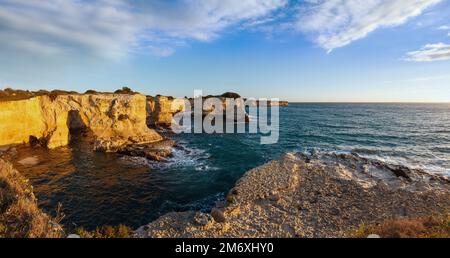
column 321, row 195
column 318, row 196
column 327, row 195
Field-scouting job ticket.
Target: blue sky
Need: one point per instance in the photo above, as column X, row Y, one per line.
column 310, row 50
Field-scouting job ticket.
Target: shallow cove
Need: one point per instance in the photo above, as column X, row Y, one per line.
column 108, row 189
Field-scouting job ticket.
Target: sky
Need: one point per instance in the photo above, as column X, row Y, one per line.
column 304, row 50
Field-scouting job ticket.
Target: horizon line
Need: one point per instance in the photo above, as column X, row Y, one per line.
column 268, row 98
column 369, row 102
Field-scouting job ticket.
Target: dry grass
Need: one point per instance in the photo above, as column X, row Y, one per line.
column 120, row 231
column 19, row 215
column 424, row 227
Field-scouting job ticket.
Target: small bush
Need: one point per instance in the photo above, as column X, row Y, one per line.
column 424, row 227
column 120, row 231
column 230, row 95
column 91, row 92
column 124, row 90
column 9, row 94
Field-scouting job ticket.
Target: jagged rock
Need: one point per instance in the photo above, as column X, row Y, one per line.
column 322, row 196
column 153, row 151
column 203, row 219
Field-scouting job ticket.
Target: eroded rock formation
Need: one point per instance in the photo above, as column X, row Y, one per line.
column 113, row 119
column 321, row 196
column 161, row 109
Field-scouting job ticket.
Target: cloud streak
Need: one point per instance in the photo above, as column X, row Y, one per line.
column 337, row 23
column 430, row 52
column 116, row 28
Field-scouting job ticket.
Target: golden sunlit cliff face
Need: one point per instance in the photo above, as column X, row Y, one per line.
column 113, row 119
column 161, row 110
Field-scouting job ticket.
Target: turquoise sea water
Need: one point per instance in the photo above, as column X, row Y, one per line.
column 108, row 189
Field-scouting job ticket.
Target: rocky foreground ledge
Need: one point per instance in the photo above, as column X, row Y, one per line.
column 321, row 196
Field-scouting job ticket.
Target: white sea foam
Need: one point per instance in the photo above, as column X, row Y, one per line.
column 387, row 159
column 185, row 157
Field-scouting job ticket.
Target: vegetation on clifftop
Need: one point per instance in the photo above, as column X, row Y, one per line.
column 20, row 216
column 9, row 94
column 120, row 231
column 423, row 227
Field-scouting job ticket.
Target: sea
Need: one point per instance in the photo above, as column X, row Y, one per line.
column 98, row 189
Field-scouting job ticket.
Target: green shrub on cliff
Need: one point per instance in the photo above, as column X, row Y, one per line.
column 125, row 90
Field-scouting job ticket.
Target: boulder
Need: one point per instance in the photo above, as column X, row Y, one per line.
column 218, row 215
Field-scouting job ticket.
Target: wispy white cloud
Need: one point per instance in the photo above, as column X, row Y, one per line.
column 444, row 27
column 115, row 28
column 430, row 52
column 60, row 26
column 337, row 23
column 204, row 20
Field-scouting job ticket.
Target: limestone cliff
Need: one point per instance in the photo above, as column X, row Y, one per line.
column 113, row 119
column 228, row 100
column 161, row 109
